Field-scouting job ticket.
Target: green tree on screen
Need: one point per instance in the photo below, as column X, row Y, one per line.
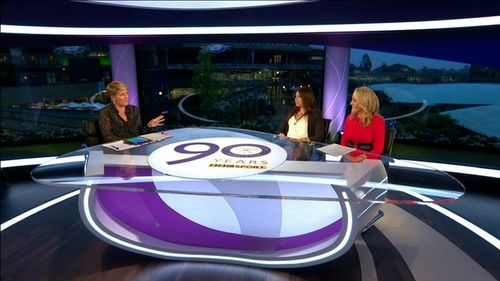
column 366, row 63
column 204, row 84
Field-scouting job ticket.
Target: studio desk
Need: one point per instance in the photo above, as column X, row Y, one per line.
column 239, row 196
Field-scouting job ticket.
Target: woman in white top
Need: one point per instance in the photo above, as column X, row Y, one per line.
column 304, row 122
column 303, row 125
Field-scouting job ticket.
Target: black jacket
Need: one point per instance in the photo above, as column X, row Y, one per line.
column 315, row 126
column 114, row 128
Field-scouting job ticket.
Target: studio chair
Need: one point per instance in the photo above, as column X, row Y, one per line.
column 326, row 135
column 335, row 137
column 390, row 133
column 331, row 137
column 92, row 132
column 386, row 158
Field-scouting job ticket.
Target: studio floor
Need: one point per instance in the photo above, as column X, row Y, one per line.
column 411, row 242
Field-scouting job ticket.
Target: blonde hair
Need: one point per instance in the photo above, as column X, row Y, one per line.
column 368, row 103
column 114, row 87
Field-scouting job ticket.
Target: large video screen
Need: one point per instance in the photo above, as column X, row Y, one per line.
column 433, row 103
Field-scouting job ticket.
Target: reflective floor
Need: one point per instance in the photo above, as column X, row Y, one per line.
column 409, row 243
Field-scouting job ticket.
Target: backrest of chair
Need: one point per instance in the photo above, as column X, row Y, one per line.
column 92, row 132
column 390, row 133
column 333, row 137
column 326, row 123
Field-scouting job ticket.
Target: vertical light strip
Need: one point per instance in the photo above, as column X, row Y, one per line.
column 336, row 78
column 123, row 69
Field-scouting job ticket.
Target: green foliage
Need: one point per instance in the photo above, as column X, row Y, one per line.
column 261, row 126
column 366, row 63
column 204, row 84
column 436, row 124
column 395, row 68
column 431, row 128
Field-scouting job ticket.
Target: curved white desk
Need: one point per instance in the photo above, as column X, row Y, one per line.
column 231, row 195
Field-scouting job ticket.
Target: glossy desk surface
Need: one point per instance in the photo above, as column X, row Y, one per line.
column 234, row 195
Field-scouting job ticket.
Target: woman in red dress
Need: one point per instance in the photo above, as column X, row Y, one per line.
column 364, row 128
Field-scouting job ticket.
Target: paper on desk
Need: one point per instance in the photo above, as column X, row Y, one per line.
column 335, row 149
column 157, row 136
column 119, row 145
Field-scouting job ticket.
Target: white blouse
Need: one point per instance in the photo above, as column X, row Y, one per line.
column 297, row 129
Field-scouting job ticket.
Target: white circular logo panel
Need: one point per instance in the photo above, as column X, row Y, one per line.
column 217, row 158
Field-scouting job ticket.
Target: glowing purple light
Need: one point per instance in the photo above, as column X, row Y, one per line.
column 335, row 83
column 123, row 69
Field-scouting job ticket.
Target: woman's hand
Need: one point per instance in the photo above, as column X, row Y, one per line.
column 356, row 159
column 156, row 121
column 300, row 140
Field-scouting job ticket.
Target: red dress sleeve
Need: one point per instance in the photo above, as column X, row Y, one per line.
column 344, row 139
column 378, row 137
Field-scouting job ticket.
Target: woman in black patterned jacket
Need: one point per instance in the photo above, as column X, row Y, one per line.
column 120, row 120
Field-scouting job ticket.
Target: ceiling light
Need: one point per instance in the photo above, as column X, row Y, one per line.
column 270, row 29
column 193, row 5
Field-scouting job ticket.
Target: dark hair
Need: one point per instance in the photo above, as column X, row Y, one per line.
column 308, row 99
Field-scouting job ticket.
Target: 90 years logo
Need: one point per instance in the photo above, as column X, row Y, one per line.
column 217, row 158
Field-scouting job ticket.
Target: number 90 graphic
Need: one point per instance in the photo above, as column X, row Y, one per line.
column 236, row 150
column 192, row 159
